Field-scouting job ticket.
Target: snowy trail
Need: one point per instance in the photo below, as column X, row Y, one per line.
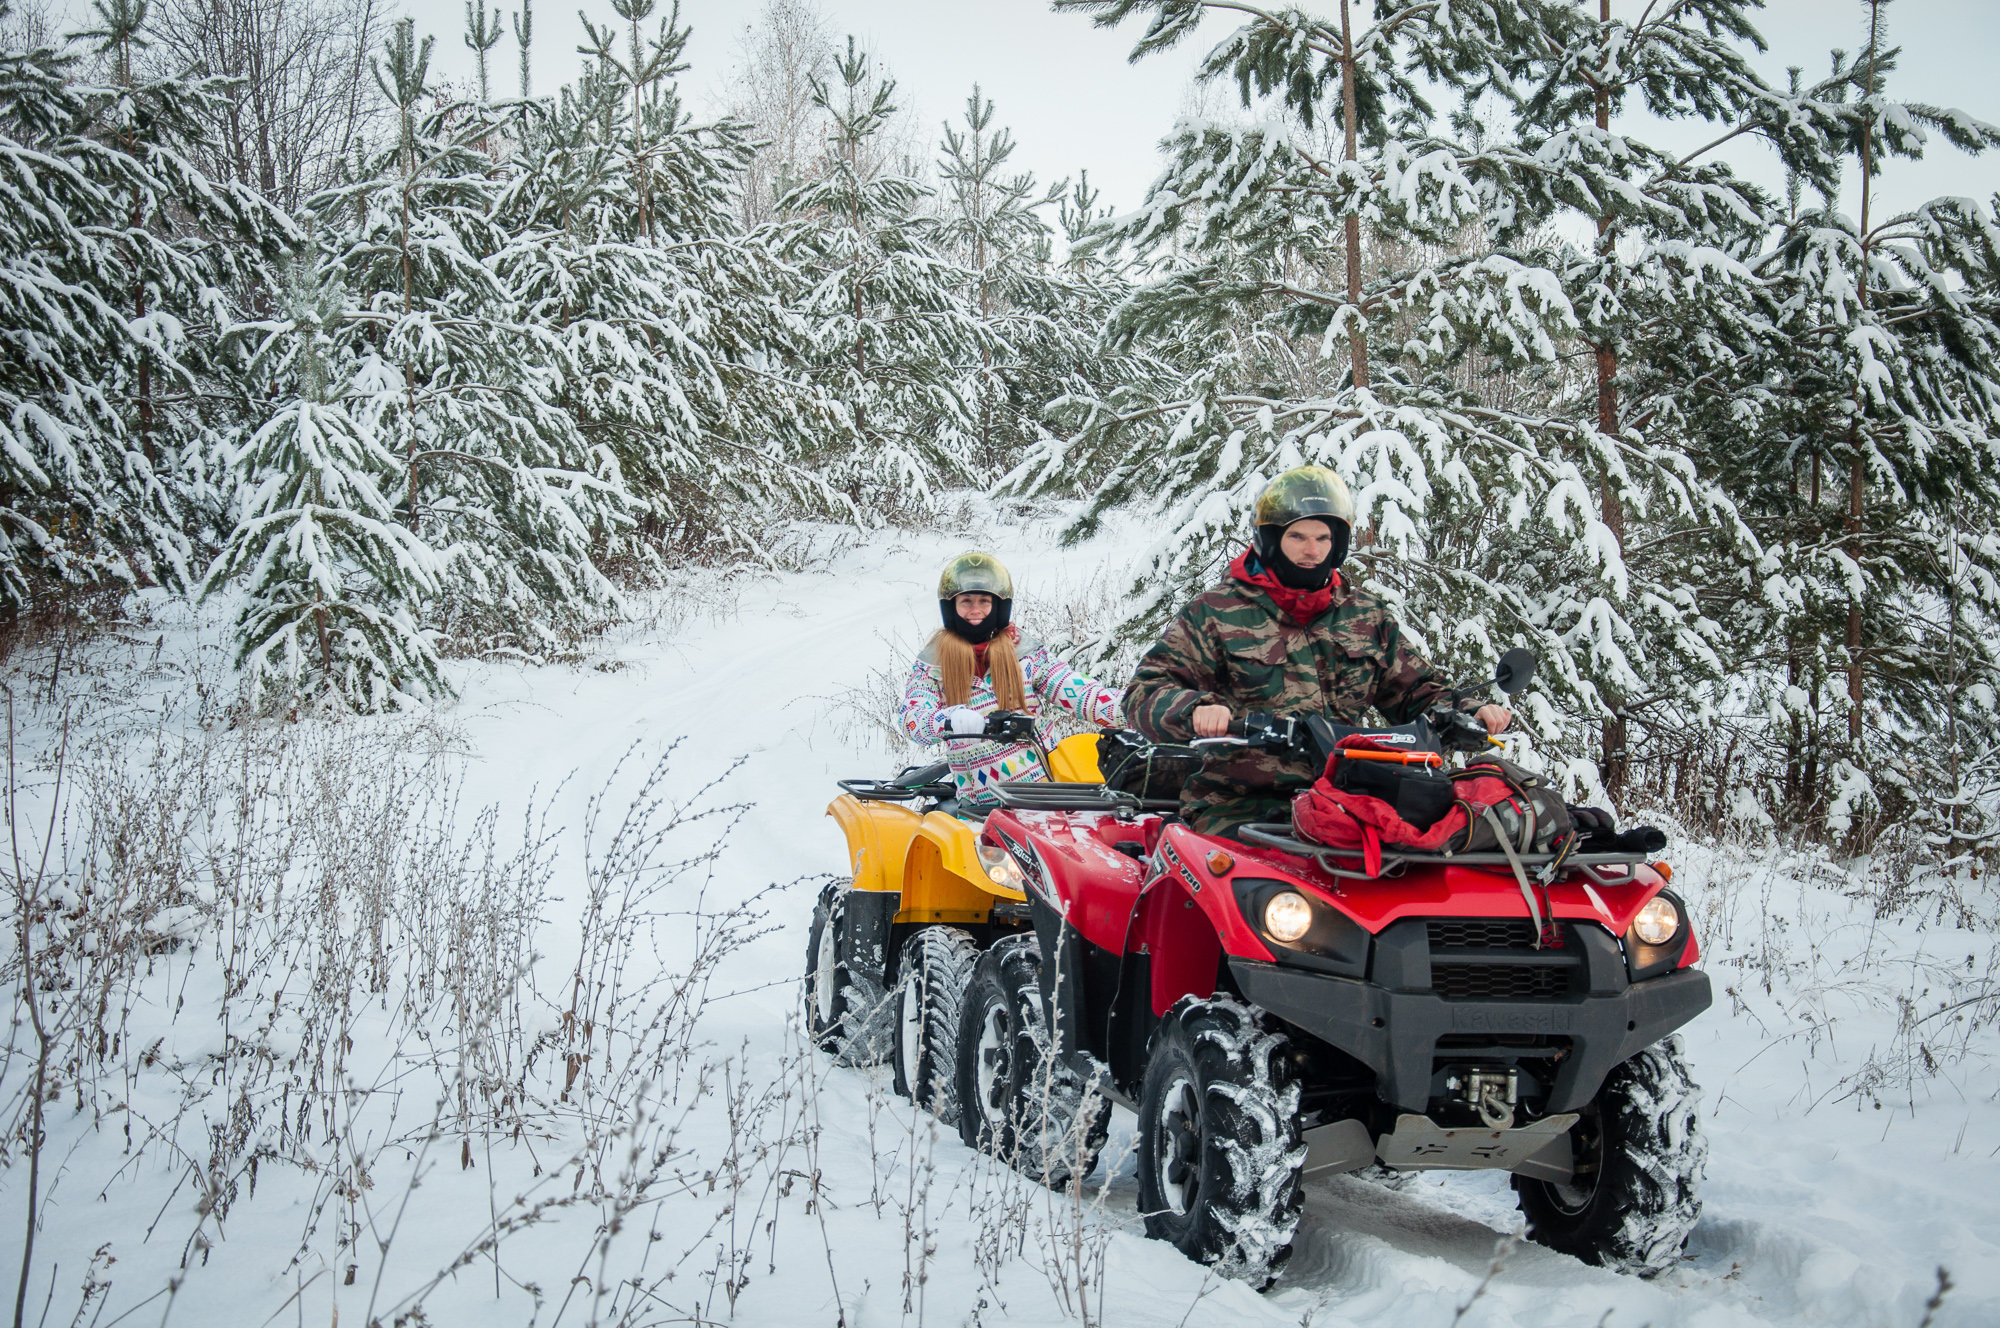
column 755, row 686
column 1835, row 1216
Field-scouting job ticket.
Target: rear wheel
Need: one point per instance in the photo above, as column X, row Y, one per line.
column 1219, row 1147
column 937, row 965
column 1639, row 1157
column 848, row 1015
column 1017, row 1100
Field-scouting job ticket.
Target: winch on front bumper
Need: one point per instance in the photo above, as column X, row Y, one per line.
column 1441, row 994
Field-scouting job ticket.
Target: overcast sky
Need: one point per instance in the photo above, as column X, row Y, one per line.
column 1073, row 101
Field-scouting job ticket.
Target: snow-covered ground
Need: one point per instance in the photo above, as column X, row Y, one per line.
column 1847, row 1069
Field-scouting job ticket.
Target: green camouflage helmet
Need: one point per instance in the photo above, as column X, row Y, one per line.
column 1307, row 491
column 975, row 572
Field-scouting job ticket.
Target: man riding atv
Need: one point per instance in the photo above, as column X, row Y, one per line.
column 1279, row 989
column 1285, row 634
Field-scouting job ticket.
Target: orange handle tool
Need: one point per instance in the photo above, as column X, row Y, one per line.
column 1400, row 758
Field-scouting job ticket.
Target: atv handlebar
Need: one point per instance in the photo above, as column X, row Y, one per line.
column 1459, row 731
column 1002, row 726
column 1454, row 730
column 1011, row 726
column 1259, row 729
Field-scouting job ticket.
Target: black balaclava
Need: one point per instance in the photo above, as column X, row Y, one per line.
column 996, row 621
column 1271, row 552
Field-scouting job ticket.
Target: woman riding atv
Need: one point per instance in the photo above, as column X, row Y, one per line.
column 1284, row 633
column 979, row 663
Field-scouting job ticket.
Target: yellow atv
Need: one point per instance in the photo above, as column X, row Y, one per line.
column 890, row 952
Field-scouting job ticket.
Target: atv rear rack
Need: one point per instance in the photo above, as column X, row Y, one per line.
column 1277, row 835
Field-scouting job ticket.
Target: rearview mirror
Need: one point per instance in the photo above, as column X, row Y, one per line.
column 1515, row 670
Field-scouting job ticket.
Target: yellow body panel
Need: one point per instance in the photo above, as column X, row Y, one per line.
column 1074, row 760
column 933, row 859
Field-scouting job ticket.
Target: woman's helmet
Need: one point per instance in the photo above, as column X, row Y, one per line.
column 976, row 573
column 1306, row 492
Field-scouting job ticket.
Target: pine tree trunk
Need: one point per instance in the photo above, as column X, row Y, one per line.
column 146, row 441
column 325, row 637
column 409, row 370
column 1357, row 341
column 1615, row 758
column 1857, row 472
column 985, row 351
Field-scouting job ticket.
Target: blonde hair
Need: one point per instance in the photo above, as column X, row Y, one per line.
column 960, row 664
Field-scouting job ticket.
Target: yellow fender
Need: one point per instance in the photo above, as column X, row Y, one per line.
column 933, row 860
column 942, row 878
column 878, row 839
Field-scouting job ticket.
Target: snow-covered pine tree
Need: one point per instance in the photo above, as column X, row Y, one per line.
column 332, row 577
column 1564, row 508
column 1482, row 518
column 432, row 361
column 1669, row 233
column 893, row 331
column 496, row 475
column 1857, row 427
column 990, row 225
column 675, row 351
column 116, row 254
column 1080, row 370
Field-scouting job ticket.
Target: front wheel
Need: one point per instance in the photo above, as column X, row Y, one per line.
column 1016, row 1098
column 847, row 1013
column 1639, row 1156
column 936, row 967
column 1219, row 1148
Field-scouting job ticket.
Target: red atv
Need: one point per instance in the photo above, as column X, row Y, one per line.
column 1274, row 1008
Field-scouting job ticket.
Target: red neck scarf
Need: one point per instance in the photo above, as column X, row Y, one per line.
column 1301, row 606
column 1011, row 632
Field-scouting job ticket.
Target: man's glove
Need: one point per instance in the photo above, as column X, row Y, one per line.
column 1593, row 821
column 962, row 721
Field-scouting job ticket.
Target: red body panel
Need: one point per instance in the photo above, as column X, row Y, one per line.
column 1182, row 942
column 1097, row 888
column 1446, row 889
column 1090, row 882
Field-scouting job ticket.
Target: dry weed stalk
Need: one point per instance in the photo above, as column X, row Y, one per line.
column 256, row 947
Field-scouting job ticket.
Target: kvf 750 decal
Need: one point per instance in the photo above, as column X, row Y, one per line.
column 1174, row 860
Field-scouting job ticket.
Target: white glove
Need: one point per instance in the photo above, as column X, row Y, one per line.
column 963, row 721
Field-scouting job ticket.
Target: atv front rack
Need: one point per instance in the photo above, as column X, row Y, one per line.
column 1347, row 861
column 1036, row 795
column 929, row 781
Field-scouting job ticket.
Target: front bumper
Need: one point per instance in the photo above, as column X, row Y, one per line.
column 1396, row 1032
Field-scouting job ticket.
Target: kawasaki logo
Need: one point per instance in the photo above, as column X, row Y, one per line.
column 1474, row 1019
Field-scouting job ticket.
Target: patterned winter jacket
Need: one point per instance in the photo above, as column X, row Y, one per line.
column 976, row 765
column 1232, row 646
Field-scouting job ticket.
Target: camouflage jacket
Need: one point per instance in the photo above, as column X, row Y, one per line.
column 1232, row 646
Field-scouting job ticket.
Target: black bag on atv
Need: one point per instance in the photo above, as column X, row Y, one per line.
column 1518, row 804
column 1154, row 772
column 1421, row 794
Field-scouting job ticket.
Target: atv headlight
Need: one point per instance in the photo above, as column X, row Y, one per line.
column 1300, row 929
column 1657, row 921
column 1001, row 869
column 1287, row 916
